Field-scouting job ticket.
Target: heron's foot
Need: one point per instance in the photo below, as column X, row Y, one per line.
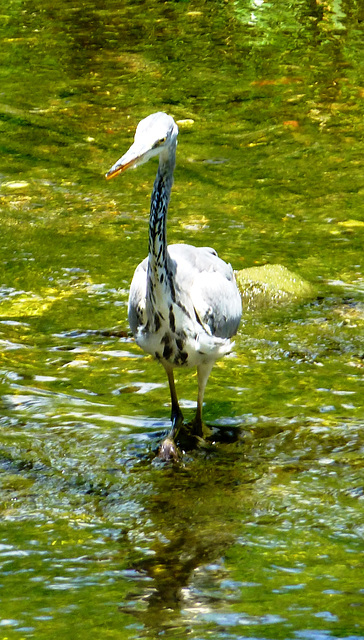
column 188, row 440
column 168, row 451
column 196, row 427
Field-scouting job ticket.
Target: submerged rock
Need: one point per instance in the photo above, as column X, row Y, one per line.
column 271, row 284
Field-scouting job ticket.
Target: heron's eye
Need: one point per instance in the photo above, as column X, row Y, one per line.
column 159, row 142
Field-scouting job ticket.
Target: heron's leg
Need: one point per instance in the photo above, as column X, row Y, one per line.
column 168, row 450
column 203, row 372
column 176, row 413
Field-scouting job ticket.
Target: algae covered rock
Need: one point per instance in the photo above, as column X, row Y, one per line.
column 271, row 284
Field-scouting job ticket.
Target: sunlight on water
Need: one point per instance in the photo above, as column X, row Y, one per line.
column 257, row 532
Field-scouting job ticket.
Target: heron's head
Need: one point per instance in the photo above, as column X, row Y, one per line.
column 154, row 135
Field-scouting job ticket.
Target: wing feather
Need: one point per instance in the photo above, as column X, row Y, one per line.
column 137, row 295
column 205, row 286
column 211, row 288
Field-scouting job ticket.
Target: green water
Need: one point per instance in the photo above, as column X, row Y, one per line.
column 259, row 533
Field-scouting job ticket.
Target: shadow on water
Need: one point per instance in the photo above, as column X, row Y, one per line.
column 188, row 523
column 210, row 547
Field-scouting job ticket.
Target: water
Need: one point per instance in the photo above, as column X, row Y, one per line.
column 258, row 533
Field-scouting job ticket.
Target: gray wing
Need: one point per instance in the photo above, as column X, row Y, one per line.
column 207, row 284
column 137, row 294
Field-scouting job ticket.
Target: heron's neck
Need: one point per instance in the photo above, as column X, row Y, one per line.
column 158, row 215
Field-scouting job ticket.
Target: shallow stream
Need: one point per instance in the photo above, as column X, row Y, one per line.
column 260, row 532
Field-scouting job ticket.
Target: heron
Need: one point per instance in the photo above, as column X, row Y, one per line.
column 184, row 304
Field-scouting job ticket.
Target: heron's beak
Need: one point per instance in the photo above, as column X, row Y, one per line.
column 130, row 159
